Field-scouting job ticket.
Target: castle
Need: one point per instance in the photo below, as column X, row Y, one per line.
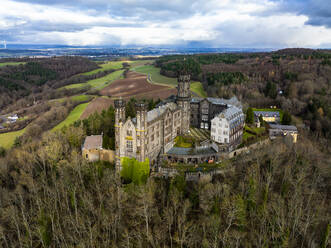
column 152, row 133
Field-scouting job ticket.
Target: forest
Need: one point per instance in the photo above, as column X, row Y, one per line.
column 278, row 196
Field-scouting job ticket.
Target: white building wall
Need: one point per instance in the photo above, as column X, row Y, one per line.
column 220, row 132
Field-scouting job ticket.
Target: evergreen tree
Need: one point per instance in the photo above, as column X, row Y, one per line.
column 287, row 118
column 250, row 116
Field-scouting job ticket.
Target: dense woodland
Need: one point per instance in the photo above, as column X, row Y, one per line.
column 50, row 196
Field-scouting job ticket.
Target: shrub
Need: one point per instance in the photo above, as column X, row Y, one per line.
column 134, row 171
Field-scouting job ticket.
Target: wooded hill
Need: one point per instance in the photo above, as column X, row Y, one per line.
column 296, row 80
column 38, row 76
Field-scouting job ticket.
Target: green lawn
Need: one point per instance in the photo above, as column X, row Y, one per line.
column 12, row 63
column 183, row 141
column 7, row 139
column 98, row 83
column 72, row 117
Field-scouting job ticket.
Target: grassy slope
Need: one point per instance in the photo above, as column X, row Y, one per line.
column 7, row 139
column 72, row 117
column 156, row 77
column 111, row 65
column 98, row 83
column 11, row 63
column 77, row 98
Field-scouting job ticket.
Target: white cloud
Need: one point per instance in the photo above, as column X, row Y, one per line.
column 217, row 23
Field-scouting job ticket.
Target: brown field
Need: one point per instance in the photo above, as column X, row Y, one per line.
column 136, row 85
column 97, row 105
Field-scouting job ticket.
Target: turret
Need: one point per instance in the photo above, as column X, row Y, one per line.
column 119, row 120
column 141, row 129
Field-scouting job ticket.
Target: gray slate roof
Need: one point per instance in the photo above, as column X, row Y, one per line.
column 218, row 101
column 267, row 113
column 155, row 113
column 93, row 142
column 283, row 127
column 190, row 151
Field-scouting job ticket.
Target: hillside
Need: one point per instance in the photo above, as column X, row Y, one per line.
column 296, row 80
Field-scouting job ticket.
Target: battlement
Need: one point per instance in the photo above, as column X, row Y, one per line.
column 119, row 103
column 184, row 78
column 141, row 106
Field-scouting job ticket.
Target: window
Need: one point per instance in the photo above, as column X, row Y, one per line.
column 129, row 132
column 213, row 130
column 202, row 125
column 205, row 117
column 129, row 146
column 86, row 155
column 152, row 138
column 206, row 126
column 225, row 140
column 213, row 123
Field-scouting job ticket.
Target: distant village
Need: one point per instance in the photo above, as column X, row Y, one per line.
column 186, row 130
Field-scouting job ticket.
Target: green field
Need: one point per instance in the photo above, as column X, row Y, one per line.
column 156, row 77
column 11, row 63
column 197, row 88
column 110, row 65
column 77, row 98
column 72, row 117
column 7, row 139
column 98, row 83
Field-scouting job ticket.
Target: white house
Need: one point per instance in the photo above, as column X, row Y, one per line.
column 227, row 127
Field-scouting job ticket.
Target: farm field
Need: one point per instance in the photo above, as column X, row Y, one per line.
column 11, row 63
column 7, row 139
column 136, row 85
column 74, row 115
column 97, row 105
column 154, row 76
column 110, row 65
column 77, row 98
column 98, row 83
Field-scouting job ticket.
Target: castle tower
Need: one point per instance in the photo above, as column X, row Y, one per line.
column 119, row 121
column 141, row 129
column 184, row 99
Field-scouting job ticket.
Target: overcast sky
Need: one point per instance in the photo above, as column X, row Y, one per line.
column 205, row 23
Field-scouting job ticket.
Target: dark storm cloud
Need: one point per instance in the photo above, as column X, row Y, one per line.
column 318, row 11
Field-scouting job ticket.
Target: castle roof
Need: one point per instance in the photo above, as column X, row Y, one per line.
column 218, row 101
column 155, row 113
column 233, row 115
column 93, row 142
